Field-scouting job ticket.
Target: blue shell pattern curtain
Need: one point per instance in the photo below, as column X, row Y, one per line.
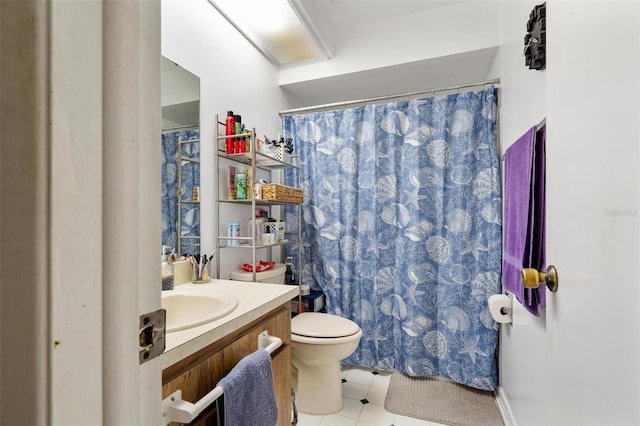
column 190, row 178
column 402, row 229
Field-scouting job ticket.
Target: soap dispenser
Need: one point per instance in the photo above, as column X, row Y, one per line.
column 167, row 269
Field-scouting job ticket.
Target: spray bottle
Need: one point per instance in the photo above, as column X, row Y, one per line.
column 230, row 129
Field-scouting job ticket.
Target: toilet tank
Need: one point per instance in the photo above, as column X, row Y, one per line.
column 274, row 275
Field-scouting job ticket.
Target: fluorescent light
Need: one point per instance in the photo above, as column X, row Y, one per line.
column 272, row 26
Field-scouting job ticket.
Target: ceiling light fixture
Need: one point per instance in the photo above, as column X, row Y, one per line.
column 274, row 28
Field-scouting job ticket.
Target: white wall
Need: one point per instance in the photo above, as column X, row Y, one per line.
column 522, row 105
column 233, row 76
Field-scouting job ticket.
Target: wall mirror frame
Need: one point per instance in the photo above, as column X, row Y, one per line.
column 180, row 159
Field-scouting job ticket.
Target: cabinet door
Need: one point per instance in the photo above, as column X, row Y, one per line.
column 282, row 380
column 199, row 373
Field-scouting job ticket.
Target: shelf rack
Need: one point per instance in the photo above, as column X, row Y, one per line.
column 185, row 240
column 256, row 161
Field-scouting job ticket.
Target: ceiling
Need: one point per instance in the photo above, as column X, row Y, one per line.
column 329, row 16
column 310, row 47
column 326, row 18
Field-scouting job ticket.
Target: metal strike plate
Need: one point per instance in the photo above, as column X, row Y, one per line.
column 152, row 335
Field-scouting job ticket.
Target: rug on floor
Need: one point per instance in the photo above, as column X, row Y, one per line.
column 441, row 401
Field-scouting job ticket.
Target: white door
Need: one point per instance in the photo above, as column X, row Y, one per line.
column 80, row 220
column 593, row 189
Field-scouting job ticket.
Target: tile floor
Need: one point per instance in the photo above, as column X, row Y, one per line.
column 363, row 393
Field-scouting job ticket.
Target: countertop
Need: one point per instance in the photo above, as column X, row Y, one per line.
column 254, row 300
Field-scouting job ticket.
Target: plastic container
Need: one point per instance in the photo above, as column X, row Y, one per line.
column 258, row 228
column 274, row 275
column 167, row 269
column 181, row 272
column 167, row 274
column 233, row 230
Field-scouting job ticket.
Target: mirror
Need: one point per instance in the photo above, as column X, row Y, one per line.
column 180, row 159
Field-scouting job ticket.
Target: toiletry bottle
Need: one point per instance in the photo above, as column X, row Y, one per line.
column 167, row 270
column 241, row 185
column 266, row 236
column 288, row 275
column 247, row 139
column 233, row 230
column 231, row 195
column 249, row 184
column 230, row 129
column 239, row 142
column 258, row 189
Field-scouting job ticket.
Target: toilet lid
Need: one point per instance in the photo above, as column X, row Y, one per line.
column 314, row 324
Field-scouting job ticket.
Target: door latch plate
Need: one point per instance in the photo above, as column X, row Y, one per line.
column 152, row 335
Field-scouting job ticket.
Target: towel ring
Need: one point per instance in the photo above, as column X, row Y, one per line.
column 532, row 278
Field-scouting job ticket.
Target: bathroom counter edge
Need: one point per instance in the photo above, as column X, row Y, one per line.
column 254, row 300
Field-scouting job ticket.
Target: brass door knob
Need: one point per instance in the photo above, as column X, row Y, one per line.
column 533, row 278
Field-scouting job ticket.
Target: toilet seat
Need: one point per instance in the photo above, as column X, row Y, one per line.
column 318, row 325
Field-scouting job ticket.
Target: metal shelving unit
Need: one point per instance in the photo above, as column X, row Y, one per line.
column 256, row 161
column 190, row 241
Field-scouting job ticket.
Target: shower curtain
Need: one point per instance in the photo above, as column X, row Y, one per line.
column 190, row 178
column 402, row 229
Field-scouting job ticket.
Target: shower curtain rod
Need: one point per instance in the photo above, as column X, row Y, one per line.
column 187, row 126
column 388, row 97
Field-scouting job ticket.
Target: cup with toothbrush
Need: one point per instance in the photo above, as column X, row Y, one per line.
column 200, row 268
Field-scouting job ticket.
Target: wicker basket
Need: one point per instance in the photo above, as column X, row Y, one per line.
column 287, row 194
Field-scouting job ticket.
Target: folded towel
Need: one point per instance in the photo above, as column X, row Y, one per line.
column 537, row 243
column 524, row 216
column 249, row 396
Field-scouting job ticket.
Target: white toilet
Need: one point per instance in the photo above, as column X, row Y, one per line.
column 319, row 342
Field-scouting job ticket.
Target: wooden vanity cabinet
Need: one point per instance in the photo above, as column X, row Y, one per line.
column 199, row 373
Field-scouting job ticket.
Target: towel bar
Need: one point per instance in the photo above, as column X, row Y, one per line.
column 174, row 409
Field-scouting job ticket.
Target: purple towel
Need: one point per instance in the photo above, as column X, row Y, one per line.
column 524, row 216
column 249, row 395
column 537, row 254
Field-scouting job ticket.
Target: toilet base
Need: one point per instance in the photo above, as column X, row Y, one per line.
column 319, row 390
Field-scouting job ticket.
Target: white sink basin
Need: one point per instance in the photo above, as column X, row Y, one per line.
column 191, row 309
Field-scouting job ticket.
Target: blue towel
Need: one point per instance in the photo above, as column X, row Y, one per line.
column 249, row 396
column 524, row 216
